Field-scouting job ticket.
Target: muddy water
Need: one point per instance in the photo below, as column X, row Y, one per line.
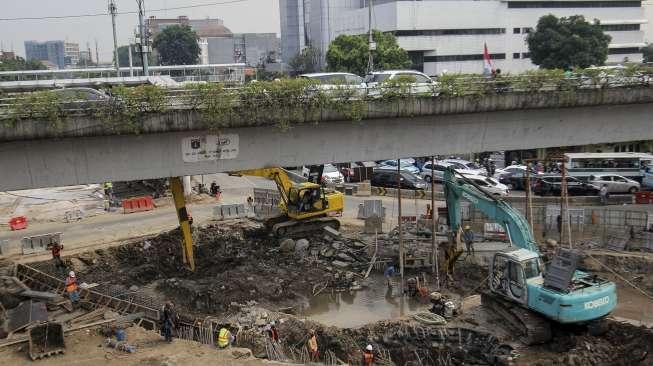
column 351, row 309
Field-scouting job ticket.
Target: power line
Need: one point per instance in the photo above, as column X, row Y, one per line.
column 54, row 17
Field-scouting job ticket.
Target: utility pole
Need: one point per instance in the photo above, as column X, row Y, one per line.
column 97, row 54
column 131, row 64
column 401, row 236
column 370, row 40
column 434, row 229
column 112, row 11
column 143, row 36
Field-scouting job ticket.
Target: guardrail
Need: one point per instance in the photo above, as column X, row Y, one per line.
column 33, row 105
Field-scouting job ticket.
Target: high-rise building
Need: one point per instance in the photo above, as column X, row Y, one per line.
column 71, row 54
column 51, row 51
column 450, row 34
column 295, row 24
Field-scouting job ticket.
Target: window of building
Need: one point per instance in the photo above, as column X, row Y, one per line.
column 527, row 30
column 526, row 55
column 623, row 50
column 575, row 4
column 474, row 57
column 515, row 55
column 449, row 32
column 619, row 27
column 516, row 30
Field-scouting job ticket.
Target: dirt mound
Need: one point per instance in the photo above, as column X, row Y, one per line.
column 623, row 344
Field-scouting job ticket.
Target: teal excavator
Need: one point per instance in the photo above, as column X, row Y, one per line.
column 521, row 290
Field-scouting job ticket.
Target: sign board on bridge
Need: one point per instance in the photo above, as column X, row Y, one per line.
column 195, row 149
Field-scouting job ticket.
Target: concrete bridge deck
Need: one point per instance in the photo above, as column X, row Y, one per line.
column 82, row 149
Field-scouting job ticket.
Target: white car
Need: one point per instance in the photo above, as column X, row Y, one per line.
column 440, row 167
column 421, row 84
column 471, row 167
column 490, row 185
column 338, row 83
column 615, row 183
column 330, row 174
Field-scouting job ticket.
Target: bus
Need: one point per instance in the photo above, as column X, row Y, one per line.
column 630, row 165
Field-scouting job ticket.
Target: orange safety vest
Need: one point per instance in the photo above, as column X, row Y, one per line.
column 368, row 358
column 71, row 284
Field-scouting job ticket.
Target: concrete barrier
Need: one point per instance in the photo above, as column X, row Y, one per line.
column 266, row 196
column 226, row 212
column 73, row 215
column 263, row 211
column 364, row 189
column 369, row 208
column 39, row 243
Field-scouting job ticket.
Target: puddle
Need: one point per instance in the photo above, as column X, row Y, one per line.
column 351, row 309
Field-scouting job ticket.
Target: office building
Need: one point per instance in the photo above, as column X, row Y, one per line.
column 449, row 35
column 52, row 53
column 295, row 26
column 71, row 54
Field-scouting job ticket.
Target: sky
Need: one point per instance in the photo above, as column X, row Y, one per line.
column 244, row 16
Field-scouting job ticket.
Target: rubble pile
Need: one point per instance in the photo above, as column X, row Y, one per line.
column 634, row 267
column 623, row 344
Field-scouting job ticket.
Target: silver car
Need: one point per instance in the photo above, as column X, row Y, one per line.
column 615, row 183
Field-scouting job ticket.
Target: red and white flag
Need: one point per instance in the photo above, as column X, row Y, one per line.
column 487, row 63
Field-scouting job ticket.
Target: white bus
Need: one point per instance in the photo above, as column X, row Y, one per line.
column 630, row 165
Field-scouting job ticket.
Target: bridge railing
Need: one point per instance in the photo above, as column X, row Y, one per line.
column 47, row 104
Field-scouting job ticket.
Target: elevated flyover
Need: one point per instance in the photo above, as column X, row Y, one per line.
column 180, row 140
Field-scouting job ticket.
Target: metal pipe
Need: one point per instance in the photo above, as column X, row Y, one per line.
column 434, row 247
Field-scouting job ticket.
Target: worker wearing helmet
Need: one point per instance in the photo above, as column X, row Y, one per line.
column 368, row 356
column 71, row 287
column 468, row 237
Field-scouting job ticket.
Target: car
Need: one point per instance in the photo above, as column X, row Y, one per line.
column 330, row 174
column 489, row 185
column 513, row 176
column 405, row 165
column 552, row 185
column 420, row 82
column 338, row 83
column 471, row 167
column 615, row 183
column 389, row 178
column 440, row 167
column 79, row 98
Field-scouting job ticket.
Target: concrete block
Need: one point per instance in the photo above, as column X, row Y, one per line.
column 226, row 212
column 332, row 232
column 5, row 247
column 373, row 224
column 39, row 243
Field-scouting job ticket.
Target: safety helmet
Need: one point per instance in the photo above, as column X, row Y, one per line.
column 71, row 274
column 467, row 227
column 369, row 347
column 435, row 296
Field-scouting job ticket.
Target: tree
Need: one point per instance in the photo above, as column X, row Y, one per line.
column 19, row 63
column 305, row 61
column 648, row 52
column 565, row 43
column 350, row 53
column 123, row 56
column 177, row 45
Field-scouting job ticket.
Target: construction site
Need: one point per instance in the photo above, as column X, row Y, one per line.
column 280, row 262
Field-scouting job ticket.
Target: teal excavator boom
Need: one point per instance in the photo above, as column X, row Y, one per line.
column 519, row 289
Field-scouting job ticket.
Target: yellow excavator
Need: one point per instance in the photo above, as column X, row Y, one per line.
column 305, row 207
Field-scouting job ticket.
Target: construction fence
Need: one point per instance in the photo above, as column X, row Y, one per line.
column 603, row 226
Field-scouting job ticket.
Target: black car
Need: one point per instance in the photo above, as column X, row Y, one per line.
column 514, row 178
column 552, row 185
column 388, row 178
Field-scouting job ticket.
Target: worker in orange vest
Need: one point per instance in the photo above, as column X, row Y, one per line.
column 71, row 287
column 368, row 356
column 312, row 345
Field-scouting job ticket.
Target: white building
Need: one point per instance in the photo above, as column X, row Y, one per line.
column 449, row 34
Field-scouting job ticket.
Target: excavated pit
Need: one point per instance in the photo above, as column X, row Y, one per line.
column 237, row 263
